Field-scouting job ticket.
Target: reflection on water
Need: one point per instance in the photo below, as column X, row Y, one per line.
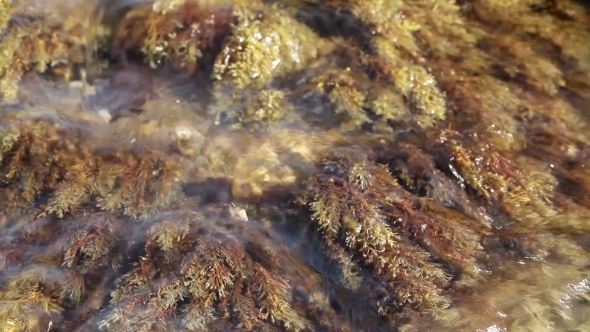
column 294, row 166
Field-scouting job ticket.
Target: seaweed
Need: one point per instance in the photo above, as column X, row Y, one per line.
column 307, row 165
column 138, row 183
column 45, row 38
column 184, row 33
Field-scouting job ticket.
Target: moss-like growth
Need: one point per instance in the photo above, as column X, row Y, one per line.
column 44, row 37
column 355, row 204
column 316, row 165
column 198, row 275
column 266, row 44
column 349, row 102
column 184, row 33
column 250, row 110
column 43, row 155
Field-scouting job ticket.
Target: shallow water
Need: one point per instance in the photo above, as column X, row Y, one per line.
column 296, row 166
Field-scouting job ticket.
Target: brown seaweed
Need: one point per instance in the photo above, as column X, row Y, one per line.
column 330, row 165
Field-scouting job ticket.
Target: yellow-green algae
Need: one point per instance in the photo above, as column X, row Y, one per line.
column 328, row 165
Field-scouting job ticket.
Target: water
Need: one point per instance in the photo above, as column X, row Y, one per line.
column 295, row 166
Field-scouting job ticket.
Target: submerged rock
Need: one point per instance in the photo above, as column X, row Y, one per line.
column 309, row 165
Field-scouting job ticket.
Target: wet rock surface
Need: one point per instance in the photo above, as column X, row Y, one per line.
column 329, row 165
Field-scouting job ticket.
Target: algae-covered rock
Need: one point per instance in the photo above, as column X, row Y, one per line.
column 306, row 165
column 44, row 36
